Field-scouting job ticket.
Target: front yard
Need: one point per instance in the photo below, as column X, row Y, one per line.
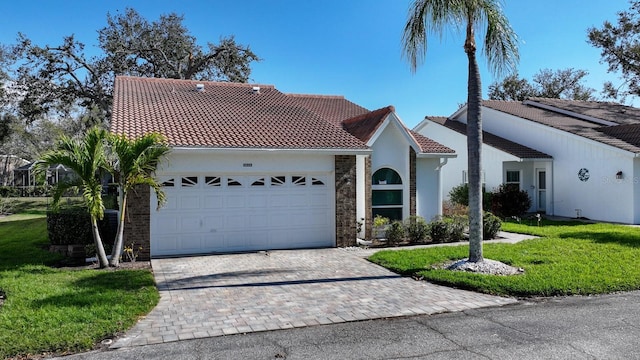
column 47, row 309
column 569, row 258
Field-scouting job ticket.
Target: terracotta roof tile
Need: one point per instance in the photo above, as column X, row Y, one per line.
column 429, row 146
column 333, row 108
column 224, row 115
column 508, row 146
column 365, row 125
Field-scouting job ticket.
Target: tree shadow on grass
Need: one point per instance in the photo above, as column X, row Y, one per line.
column 626, row 238
column 100, row 288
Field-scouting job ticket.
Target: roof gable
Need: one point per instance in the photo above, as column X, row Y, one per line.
column 222, row 115
column 367, row 127
column 497, row 142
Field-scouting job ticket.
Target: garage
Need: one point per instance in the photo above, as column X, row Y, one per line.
column 234, row 212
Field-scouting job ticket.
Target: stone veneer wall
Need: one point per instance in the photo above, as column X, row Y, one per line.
column 412, row 182
column 345, row 169
column 137, row 227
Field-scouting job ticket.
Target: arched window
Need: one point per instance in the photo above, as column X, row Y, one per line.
column 386, row 197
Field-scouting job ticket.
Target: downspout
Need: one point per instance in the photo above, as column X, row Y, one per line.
column 440, row 197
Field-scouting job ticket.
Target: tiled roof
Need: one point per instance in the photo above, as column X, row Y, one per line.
column 365, row 125
column 335, row 109
column 429, row 146
column 586, row 124
column 508, row 146
column 224, row 115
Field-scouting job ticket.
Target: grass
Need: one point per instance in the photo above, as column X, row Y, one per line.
column 35, row 205
column 569, row 258
column 56, row 310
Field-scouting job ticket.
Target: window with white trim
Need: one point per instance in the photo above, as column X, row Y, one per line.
column 512, row 178
column 386, row 197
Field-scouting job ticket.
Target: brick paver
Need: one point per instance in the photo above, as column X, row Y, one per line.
column 220, row 295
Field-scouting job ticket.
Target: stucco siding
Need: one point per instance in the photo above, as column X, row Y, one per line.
column 602, row 196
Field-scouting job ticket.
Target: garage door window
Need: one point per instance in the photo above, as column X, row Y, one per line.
column 233, row 182
column 189, row 181
column 169, row 183
column 386, row 197
column 259, row 182
column 212, row 181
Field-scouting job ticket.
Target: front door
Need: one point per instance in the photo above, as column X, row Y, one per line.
column 541, row 182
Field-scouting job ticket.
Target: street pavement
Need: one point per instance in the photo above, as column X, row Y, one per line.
column 597, row 327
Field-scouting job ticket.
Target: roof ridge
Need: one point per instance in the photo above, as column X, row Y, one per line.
column 315, row 96
column 168, row 80
column 351, row 120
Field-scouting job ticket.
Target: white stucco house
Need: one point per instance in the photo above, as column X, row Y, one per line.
column 574, row 158
column 253, row 168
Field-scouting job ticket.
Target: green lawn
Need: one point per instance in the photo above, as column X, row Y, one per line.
column 61, row 310
column 569, row 258
column 36, row 205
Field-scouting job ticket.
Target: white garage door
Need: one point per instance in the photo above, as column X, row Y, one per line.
column 229, row 213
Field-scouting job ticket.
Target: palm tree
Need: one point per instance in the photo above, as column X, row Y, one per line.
column 136, row 161
column 501, row 49
column 86, row 157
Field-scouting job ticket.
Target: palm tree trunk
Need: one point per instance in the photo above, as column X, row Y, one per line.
column 117, row 246
column 100, row 253
column 474, row 149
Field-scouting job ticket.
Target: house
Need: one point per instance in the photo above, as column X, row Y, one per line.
column 25, row 176
column 253, row 168
column 8, row 163
column 573, row 158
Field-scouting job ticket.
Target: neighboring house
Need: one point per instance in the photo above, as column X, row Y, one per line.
column 26, row 175
column 503, row 161
column 8, row 163
column 253, row 168
column 574, row 158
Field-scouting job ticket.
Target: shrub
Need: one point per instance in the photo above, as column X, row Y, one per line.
column 509, row 200
column 457, row 225
column 395, row 233
column 73, row 226
column 460, row 195
column 491, row 225
column 447, row 229
column 438, row 230
column 9, row 191
column 417, row 229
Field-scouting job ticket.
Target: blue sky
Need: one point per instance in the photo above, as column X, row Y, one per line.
column 343, row 47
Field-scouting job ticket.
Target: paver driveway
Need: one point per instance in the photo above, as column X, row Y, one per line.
column 230, row 294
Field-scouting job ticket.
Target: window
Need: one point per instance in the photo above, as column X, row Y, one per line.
column 259, row 182
column 299, row 180
column 278, row 180
column 189, row 181
column 387, row 194
column 316, row 182
column 513, row 178
column 212, row 180
column 232, row 182
column 169, row 183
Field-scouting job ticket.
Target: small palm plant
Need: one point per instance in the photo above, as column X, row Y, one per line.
column 134, row 163
column 86, row 157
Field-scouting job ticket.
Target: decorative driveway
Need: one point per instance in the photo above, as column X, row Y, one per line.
column 218, row 295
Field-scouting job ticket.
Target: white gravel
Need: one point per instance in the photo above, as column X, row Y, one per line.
column 485, row 266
